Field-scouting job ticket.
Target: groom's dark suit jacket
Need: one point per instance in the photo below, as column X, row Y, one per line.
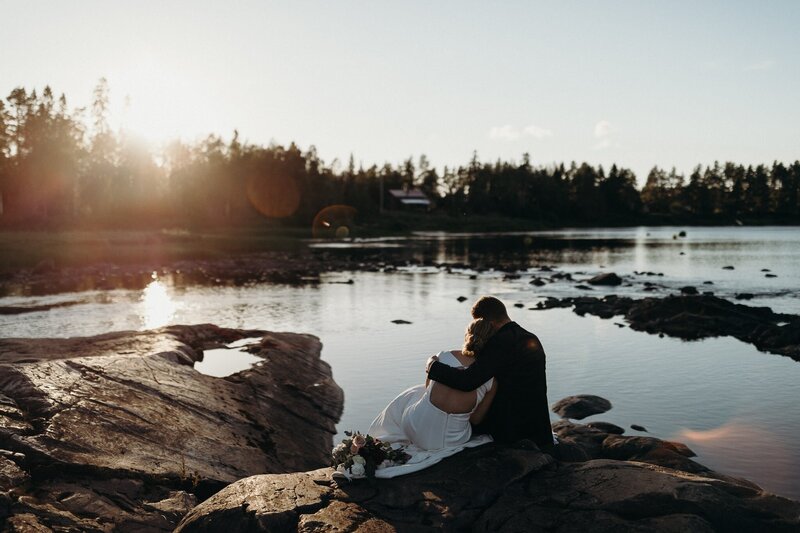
column 514, row 357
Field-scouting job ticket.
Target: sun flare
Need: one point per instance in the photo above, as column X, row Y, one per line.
column 158, row 309
column 158, row 102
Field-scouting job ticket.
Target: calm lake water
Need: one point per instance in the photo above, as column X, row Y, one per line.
column 735, row 406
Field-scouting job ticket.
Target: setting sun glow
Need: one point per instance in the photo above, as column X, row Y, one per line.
column 158, row 101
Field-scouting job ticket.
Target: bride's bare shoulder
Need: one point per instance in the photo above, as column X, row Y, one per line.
column 465, row 360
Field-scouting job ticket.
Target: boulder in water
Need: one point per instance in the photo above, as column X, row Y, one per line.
column 580, row 406
column 608, row 278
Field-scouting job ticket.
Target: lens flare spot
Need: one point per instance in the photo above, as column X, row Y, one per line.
column 274, row 196
column 334, row 222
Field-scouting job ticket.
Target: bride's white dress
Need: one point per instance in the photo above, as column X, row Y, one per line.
column 428, row 433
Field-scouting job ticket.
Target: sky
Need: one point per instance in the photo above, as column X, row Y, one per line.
column 634, row 83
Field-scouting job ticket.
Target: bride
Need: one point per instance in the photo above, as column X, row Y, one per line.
column 433, row 417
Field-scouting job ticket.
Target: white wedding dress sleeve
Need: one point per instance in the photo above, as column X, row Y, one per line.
column 427, row 433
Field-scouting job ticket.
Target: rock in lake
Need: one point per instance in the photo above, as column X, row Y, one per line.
column 119, row 431
column 695, row 317
column 580, row 406
column 609, row 278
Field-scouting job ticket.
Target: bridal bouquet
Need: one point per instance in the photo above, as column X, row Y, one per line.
column 360, row 455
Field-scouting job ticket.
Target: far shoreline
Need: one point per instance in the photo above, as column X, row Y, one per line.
column 44, row 248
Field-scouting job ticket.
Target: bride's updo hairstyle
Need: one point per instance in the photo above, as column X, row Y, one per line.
column 490, row 308
column 478, row 332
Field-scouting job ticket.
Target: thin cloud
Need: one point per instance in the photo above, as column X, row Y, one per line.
column 513, row 133
column 505, row 133
column 602, row 132
column 766, row 64
column 537, row 132
column 602, row 129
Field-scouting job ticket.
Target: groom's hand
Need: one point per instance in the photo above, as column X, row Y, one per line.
column 432, row 359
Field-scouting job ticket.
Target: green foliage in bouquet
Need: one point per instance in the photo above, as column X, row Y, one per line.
column 361, row 454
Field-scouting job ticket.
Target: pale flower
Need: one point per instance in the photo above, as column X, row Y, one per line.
column 340, row 468
column 359, row 460
column 359, row 440
column 357, row 469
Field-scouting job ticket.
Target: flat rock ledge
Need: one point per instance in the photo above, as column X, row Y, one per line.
column 604, row 482
column 693, row 317
column 120, row 432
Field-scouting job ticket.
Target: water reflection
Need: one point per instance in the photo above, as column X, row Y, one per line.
column 741, row 448
column 157, row 307
column 221, row 362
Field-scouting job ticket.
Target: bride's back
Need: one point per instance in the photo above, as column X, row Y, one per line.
column 452, row 400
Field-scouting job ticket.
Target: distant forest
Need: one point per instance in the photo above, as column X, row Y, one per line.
column 62, row 168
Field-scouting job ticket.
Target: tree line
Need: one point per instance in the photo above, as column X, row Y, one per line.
column 62, row 167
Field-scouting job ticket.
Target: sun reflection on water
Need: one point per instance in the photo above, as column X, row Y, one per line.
column 158, row 308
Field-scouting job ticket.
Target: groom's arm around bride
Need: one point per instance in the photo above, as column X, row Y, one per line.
column 515, row 358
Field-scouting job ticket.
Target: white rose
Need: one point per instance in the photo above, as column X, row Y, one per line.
column 359, row 460
column 357, row 469
column 340, row 468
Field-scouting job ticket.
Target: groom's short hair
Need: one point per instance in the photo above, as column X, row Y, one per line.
column 489, row 308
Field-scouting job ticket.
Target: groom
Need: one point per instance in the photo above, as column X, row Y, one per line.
column 516, row 359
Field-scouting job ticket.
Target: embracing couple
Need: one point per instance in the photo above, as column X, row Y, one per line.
column 494, row 385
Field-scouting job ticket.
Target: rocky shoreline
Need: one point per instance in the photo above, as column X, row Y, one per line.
column 294, row 268
column 120, row 432
column 602, row 481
